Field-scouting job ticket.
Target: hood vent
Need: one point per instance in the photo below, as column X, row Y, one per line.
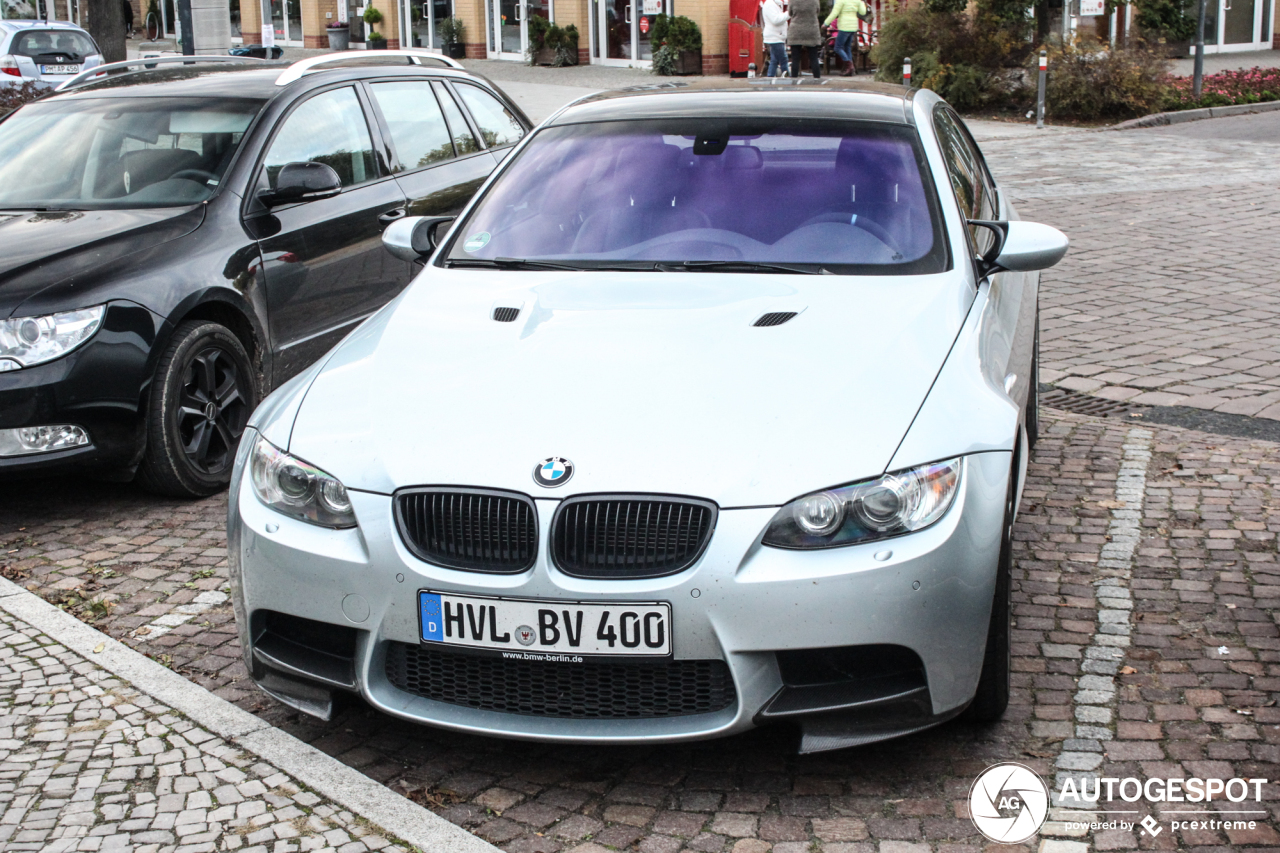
column 505, row 315
column 777, row 318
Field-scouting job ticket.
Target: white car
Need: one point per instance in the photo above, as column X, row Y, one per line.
column 712, row 410
column 46, row 52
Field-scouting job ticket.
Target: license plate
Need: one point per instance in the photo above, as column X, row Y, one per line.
column 59, row 69
column 565, row 631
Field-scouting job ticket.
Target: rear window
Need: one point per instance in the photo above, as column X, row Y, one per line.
column 835, row 196
column 35, row 43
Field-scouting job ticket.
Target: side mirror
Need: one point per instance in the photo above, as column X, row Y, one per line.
column 414, row 237
column 1022, row 246
column 302, row 182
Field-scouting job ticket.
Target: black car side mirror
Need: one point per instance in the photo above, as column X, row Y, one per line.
column 302, row 182
column 414, row 237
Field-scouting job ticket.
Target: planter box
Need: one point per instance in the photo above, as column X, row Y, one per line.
column 1177, row 49
column 457, row 50
column 380, row 44
column 545, row 56
column 339, row 38
column 690, row 62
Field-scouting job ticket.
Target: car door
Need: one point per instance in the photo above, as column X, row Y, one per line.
column 434, row 155
column 324, row 263
column 1009, row 327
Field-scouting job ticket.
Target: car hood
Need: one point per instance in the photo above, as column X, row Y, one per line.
column 647, row 382
column 69, row 247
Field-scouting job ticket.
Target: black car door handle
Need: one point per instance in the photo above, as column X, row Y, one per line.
column 392, row 215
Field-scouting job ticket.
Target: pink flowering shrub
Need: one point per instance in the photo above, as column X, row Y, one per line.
column 1226, row 87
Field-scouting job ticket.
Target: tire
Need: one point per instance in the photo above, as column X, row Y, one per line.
column 1033, row 395
column 992, row 697
column 201, row 398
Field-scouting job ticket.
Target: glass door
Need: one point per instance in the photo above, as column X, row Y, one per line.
column 1237, row 22
column 506, row 29
column 624, row 31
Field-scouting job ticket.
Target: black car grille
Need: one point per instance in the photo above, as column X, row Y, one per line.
column 630, row 536
column 591, row 690
column 472, row 529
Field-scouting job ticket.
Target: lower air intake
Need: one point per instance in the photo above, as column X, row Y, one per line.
column 586, row 691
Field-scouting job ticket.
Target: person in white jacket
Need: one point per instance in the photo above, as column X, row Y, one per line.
column 775, row 36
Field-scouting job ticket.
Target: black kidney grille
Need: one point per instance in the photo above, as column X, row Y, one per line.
column 628, row 536
column 589, row 690
column 469, row 529
column 774, row 319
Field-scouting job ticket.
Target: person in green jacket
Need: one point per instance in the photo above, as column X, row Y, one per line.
column 846, row 13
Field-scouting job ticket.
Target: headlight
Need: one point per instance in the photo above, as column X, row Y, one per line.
column 25, row 341
column 897, row 503
column 296, row 488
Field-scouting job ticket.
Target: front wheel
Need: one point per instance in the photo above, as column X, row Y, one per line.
column 201, row 399
column 992, row 698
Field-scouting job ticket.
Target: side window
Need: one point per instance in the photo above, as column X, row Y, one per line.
column 964, row 167
column 415, row 122
column 330, row 129
column 497, row 124
column 463, row 139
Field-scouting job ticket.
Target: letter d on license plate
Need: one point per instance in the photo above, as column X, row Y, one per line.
column 554, row 630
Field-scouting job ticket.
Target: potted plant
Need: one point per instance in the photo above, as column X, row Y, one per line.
column 451, row 38
column 376, row 41
column 339, row 35
column 679, row 45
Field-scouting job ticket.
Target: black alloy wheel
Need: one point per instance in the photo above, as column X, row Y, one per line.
column 992, row 697
column 203, row 394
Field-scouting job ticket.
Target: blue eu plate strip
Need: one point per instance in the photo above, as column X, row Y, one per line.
column 432, row 617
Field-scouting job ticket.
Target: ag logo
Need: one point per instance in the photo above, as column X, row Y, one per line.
column 1008, row 803
column 552, row 472
column 524, row 635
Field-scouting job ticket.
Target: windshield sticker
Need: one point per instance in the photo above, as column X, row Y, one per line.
column 477, row 242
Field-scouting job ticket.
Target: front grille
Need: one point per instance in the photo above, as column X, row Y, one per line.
column 630, row 536
column 473, row 529
column 593, row 690
column 505, row 315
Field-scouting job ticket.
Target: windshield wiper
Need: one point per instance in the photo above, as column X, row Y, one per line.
column 736, row 266
column 525, row 263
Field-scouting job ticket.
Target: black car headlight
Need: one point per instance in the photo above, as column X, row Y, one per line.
column 897, row 503
column 298, row 489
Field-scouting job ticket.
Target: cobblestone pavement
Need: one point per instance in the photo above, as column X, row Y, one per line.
column 1121, row 614
column 87, row 762
column 1170, row 295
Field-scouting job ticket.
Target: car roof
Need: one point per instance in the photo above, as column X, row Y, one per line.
column 801, row 97
column 17, row 26
column 250, row 79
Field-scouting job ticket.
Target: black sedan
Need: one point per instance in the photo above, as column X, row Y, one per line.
column 179, row 241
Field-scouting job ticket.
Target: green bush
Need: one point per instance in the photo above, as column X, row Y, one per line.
column 451, row 31
column 562, row 40
column 676, row 32
column 1174, row 20
column 372, row 15
column 1088, row 81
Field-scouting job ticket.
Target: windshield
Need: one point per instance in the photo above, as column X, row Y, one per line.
column 841, row 197
column 119, row 152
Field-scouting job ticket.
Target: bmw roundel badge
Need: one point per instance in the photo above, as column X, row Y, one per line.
column 553, row 471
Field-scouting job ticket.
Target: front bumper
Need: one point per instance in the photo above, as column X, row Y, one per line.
column 742, row 603
column 99, row 386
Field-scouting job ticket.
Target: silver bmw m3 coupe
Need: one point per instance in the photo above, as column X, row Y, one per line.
column 711, row 410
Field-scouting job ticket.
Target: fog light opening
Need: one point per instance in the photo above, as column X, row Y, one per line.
column 41, row 439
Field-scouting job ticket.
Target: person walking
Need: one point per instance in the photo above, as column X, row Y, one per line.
column 846, row 14
column 128, row 18
column 775, row 37
column 804, row 33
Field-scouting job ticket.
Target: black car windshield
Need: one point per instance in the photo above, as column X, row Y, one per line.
column 95, row 154
column 684, row 194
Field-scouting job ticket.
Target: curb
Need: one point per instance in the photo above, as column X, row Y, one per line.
column 320, row 772
column 1180, row 116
